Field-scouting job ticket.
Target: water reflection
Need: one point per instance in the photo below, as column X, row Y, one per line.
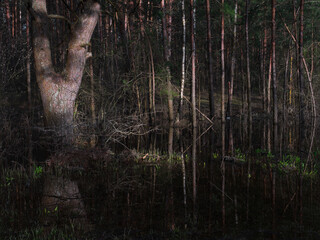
column 208, row 189
column 62, row 203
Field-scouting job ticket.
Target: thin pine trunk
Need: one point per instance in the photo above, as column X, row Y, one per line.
column 92, row 103
column 210, row 62
column 223, row 172
column 167, row 53
column 193, row 100
column 183, row 62
column 248, row 62
column 30, row 157
column 8, row 19
column 285, row 84
column 274, row 73
column 223, row 72
column 301, row 78
column 263, row 67
column 233, row 58
column 269, row 84
column 193, row 60
column 295, row 28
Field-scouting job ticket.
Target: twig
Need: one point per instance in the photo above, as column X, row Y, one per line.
column 197, row 138
column 205, row 116
column 285, row 209
column 211, row 183
column 310, row 85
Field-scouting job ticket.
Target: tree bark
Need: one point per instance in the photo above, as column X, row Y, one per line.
column 263, row 68
column 285, row 86
column 8, row 15
column 269, row 83
column 59, row 90
column 183, row 60
column 301, row 79
column 29, row 90
column 193, row 104
column 28, row 62
column 233, row 59
column 274, row 73
column 295, row 30
column 223, row 72
column 210, row 61
column 167, row 55
column 193, row 63
column 248, row 62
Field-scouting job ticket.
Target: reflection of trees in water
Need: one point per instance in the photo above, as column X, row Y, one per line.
column 62, row 203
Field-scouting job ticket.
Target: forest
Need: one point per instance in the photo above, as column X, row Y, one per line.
column 159, row 119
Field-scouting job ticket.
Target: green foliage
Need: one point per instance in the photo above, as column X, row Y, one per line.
column 54, row 211
column 38, row 171
column 9, row 180
column 293, row 163
column 240, row 155
column 289, row 163
column 260, row 151
column 270, row 155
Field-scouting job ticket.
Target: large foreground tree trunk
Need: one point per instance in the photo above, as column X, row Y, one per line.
column 59, row 90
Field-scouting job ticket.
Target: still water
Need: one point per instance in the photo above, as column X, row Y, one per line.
column 245, row 181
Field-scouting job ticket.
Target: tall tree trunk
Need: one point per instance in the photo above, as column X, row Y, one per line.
column 16, row 16
column 141, row 17
column 193, row 63
column 30, row 160
column 8, row 15
column 264, row 67
column 248, row 62
column 269, row 83
column 28, row 61
column 285, row 86
column 274, row 73
column 193, row 103
column 223, row 72
column 301, row 79
column 183, row 61
column 296, row 34
column 13, row 22
column 59, row 90
column 20, row 18
column 233, row 58
column 223, row 173
column 92, row 103
column 167, row 54
column 210, row 61
column 153, row 98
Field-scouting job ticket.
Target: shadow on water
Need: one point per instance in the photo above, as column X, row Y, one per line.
column 239, row 180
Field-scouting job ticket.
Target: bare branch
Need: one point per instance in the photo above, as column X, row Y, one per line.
column 60, row 17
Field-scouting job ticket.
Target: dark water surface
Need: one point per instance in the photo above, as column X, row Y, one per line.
column 244, row 182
